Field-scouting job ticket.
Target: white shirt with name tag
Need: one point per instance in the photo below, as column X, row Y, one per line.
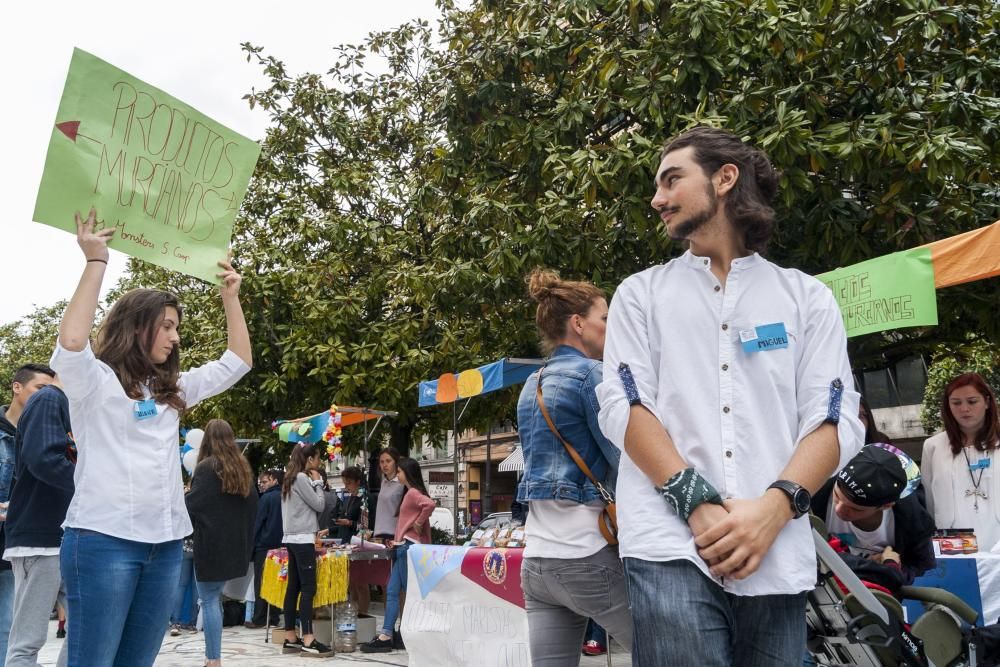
column 735, row 408
column 128, row 469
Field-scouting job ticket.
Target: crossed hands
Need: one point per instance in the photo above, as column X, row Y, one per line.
column 734, row 537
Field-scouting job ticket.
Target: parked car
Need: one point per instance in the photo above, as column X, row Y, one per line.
column 442, row 519
column 495, row 520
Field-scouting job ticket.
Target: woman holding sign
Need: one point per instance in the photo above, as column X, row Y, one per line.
column 121, row 552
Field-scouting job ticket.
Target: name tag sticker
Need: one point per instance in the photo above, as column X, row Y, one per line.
column 145, row 409
column 980, row 464
column 766, row 337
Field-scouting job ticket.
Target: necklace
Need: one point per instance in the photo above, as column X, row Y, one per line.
column 974, row 491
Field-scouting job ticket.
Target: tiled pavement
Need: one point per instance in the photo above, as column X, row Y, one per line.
column 246, row 648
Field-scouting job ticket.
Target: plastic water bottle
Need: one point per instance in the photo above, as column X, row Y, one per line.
column 345, row 638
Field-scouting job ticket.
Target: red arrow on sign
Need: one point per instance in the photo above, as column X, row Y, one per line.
column 71, row 128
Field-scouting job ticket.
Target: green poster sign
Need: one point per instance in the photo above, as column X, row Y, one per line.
column 889, row 292
column 167, row 178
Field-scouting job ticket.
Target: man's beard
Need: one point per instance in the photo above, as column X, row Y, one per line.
column 685, row 228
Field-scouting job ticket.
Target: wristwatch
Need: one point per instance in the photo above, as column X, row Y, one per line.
column 798, row 495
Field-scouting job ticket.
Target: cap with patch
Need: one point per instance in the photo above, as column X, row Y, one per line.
column 873, row 478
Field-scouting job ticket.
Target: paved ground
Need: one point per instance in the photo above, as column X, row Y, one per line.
column 246, row 648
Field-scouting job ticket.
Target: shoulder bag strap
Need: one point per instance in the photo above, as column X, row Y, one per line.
column 605, row 494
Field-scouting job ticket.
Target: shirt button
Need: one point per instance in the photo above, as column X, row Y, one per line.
column 705, row 262
column 725, row 367
column 717, row 288
column 726, row 409
column 729, row 453
column 725, row 327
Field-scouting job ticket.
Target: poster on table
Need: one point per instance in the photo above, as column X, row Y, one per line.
column 166, row 177
column 464, row 607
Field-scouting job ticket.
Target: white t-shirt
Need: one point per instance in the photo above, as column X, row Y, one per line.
column 862, row 542
column 128, row 472
column 563, row 529
column 738, row 376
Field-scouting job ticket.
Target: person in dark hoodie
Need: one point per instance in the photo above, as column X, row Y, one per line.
column 871, row 507
column 267, row 536
column 42, row 492
column 26, row 381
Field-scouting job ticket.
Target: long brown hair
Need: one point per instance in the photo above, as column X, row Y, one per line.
column 230, row 465
column 124, row 341
column 296, row 464
column 558, row 300
column 988, row 434
column 748, row 204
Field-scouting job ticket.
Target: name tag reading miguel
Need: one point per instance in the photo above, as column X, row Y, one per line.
column 145, row 409
column 764, row 338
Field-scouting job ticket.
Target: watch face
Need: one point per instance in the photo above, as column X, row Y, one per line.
column 801, row 500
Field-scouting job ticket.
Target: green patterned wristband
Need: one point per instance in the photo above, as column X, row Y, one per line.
column 686, row 490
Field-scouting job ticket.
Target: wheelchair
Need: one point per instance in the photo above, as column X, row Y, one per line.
column 867, row 628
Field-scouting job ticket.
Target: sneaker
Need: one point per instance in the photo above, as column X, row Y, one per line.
column 593, row 648
column 377, row 646
column 315, row 648
column 61, row 633
column 292, row 647
column 250, row 625
column 175, row 630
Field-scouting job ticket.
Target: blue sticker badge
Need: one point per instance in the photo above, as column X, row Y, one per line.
column 145, row 409
column 980, row 464
column 764, row 338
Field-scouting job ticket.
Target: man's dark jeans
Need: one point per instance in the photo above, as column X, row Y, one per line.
column 684, row 618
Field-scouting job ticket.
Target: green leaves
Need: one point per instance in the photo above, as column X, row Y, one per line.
column 403, row 194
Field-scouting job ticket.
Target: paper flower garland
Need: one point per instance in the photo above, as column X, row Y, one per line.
column 333, row 432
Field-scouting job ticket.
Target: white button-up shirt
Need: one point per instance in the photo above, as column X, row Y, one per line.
column 733, row 415
column 128, row 471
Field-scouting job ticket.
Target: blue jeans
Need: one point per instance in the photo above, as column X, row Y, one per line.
column 210, row 594
column 708, row 626
column 397, row 583
column 6, row 610
column 120, row 594
column 185, row 614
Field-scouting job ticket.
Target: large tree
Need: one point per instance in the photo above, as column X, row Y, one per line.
column 397, row 206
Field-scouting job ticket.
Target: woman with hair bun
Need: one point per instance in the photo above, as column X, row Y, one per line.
column 959, row 464
column 571, row 570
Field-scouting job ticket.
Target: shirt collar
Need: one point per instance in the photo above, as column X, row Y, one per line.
column 567, row 350
column 739, row 264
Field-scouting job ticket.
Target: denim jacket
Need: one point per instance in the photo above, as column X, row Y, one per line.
column 7, row 455
column 568, row 384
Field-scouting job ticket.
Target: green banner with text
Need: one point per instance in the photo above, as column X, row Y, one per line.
column 169, row 179
column 889, row 292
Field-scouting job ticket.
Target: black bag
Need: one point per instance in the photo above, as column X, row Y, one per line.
column 233, row 613
column 987, row 643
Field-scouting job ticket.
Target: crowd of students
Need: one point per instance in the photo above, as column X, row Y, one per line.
column 715, row 396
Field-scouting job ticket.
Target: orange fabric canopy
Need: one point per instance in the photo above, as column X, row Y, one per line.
column 966, row 257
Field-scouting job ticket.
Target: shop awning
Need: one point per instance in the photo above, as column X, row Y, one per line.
column 452, row 386
column 514, row 462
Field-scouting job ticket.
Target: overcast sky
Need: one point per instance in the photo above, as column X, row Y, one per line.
column 186, row 48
